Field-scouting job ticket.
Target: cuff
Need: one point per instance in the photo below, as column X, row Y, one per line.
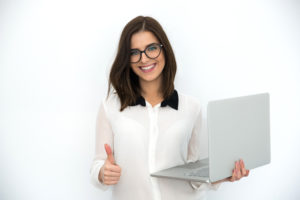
column 215, row 186
column 94, row 172
column 200, row 186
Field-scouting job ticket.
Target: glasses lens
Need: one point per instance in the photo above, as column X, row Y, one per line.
column 153, row 50
column 134, row 56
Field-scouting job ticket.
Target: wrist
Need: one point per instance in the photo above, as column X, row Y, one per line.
column 221, row 181
column 100, row 176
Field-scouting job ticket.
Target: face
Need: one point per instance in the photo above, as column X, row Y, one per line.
column 147, row 69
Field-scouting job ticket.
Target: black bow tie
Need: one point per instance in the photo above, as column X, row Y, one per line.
column 171, row 101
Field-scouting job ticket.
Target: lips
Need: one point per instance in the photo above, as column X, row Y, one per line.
column 148, row 68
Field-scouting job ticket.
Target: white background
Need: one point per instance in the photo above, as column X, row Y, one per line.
column 55, row 57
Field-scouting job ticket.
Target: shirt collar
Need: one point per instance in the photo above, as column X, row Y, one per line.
column 171, row 101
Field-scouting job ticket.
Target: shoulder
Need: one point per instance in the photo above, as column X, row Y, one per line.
column 111, row 103
column 189, row 103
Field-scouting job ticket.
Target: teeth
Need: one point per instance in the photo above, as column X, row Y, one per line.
column 146, row 68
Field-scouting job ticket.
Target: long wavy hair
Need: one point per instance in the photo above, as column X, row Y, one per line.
column 123, row 80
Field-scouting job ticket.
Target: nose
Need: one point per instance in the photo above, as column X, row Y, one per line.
column 144, row 58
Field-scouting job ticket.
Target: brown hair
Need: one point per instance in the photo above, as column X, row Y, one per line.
column 123, row 79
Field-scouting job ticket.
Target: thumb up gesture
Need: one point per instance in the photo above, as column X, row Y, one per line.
column 110, row 172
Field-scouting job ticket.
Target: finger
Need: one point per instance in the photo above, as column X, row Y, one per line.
column 238, row 171
column 109, row 154
column 108, row 178
column 242, row 163
column 113, row 168
column 243, row 168
column 111, row 182
column 247, row 173
column 235, row 175
column 232, row 178
column 239, row 175
column 111, row 174
column 237, row 166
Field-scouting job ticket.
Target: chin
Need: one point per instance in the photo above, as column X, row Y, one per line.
column 150, row 79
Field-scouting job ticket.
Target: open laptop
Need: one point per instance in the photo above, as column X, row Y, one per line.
column 237, row 128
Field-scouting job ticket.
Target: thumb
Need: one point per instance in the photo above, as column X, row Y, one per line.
column 110, row 156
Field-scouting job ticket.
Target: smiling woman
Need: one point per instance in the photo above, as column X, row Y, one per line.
column 145, row 125
column 138, row 51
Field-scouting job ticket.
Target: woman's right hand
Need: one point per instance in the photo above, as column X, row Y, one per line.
column 110, row 172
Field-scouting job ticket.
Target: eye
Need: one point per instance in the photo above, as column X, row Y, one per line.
column 134, row 52
column 152, row 47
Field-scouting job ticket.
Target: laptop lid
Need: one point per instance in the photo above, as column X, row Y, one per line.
column 238, row 128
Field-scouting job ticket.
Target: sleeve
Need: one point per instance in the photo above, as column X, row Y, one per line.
column 104, row 135
column 198, row 149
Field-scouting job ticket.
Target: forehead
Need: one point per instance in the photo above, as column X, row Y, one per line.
column 141, row 39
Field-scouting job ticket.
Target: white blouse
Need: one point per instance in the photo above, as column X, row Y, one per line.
column 146, row 139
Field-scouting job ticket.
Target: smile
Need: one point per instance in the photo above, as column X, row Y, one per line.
column 148, row 68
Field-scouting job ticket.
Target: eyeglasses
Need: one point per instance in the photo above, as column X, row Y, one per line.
column 152, row 51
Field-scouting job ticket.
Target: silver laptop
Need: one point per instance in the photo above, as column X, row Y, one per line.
column 237, row 128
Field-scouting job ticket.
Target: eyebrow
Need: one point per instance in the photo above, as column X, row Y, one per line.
column 146, row 46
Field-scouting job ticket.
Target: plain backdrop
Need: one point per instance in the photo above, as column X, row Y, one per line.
column 55, row 57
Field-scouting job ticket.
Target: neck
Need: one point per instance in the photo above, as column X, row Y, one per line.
column 151, row 90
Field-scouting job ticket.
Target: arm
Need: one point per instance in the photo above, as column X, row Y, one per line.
column 198, row 149
column 104, row 135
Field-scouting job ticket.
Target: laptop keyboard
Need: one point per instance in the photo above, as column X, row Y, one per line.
column 203, row 172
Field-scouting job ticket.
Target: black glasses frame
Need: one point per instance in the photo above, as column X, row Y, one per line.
column 160, row 46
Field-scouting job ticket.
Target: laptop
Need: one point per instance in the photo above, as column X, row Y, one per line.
column 238, row 128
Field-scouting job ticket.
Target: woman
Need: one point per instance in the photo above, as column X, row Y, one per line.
column 145, row 125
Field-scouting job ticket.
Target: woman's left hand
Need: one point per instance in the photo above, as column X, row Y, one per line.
column 239, row 171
